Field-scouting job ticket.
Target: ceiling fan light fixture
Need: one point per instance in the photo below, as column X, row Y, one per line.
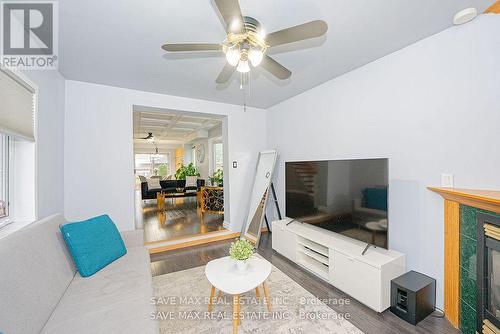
column 247, row 42
column 255, row 57
column 233, row 56
column 243, row 67
column 464, row 16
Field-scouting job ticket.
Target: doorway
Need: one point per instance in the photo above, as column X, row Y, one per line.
column 179, row 171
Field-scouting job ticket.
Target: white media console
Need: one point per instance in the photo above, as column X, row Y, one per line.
column 338, row 260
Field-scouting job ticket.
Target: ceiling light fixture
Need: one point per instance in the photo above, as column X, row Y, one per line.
column 248, row 46
column 464, row 16
column 246, row 41
column 156, row 155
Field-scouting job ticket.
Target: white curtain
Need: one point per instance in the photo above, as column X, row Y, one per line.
column 16, row 107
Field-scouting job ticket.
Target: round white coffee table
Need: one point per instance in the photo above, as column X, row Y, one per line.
column 225, row 277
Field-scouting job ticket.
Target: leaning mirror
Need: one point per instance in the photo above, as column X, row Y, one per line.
column 258, row 198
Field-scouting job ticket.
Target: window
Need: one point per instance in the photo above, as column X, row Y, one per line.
column 4, row 176
column 18, row 102
column 218, row 156
column 148, row 165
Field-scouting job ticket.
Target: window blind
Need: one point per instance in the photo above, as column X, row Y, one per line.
column 16, row 107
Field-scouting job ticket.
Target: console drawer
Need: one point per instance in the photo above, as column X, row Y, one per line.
column 357, row 279
column 284, row 242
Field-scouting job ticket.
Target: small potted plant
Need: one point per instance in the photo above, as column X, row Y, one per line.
column 241, row 251
column 185, row 172
column 217, row 178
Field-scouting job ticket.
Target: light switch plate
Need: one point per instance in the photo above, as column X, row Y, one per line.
column 447, row 180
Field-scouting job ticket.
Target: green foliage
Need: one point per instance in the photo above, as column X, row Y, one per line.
column 241, row 250
column 183, row 171
column 218, row 176
column 163, row 170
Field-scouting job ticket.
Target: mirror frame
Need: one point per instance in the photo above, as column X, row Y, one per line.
column 248, row 220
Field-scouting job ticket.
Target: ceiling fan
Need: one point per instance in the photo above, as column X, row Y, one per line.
column 150, row 138
column 246, row 42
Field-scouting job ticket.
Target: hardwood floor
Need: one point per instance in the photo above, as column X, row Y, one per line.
column 181, row 218
column 361, row 316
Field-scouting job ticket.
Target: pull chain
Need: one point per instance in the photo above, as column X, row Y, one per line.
column 244, row 100
column 245, row 86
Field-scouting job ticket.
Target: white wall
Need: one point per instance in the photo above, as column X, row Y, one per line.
column 432, row 107
column 99, row 149
column 50, row 141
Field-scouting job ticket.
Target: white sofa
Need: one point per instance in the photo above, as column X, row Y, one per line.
column 41, row 292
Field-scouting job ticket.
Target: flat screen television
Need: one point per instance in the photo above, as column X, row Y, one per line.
column 349, row 197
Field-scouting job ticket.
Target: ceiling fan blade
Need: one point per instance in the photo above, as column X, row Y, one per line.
column 225, row 74
column 191, row 47
column 275, row 68
column 231, row 13
column 297, row 33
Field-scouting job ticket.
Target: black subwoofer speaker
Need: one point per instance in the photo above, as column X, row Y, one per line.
column 413, row 296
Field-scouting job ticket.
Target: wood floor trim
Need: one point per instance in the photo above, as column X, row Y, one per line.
column 189, row 242
column 184, row 237
column 185, row 242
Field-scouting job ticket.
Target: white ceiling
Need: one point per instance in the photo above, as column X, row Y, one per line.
column 171, row 127
column 118, row 42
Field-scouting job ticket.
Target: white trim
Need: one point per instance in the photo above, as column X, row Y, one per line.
column 5, row 221
column 6, row 150
column 13, row 227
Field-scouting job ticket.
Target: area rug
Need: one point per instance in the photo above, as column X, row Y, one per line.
column 181, row 300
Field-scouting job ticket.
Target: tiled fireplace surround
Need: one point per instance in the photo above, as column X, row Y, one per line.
column 461, row 234
column 468, row 265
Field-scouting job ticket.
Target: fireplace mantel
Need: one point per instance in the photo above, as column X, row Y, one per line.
column 482, row 199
